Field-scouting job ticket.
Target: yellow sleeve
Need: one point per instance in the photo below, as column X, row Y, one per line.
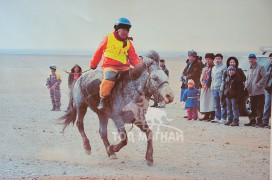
column 58, row 76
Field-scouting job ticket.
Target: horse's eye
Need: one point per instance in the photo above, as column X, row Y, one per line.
column 155, row 78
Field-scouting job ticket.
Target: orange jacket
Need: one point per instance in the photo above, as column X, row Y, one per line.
column 133, row 59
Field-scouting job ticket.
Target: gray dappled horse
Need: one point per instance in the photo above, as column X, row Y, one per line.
column 128, row 102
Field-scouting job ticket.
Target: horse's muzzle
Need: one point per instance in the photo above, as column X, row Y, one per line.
column 166, row 93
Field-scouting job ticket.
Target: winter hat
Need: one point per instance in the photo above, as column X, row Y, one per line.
column 192, row 53
column 190, row 81
column 209, row 55
column 252, row 56
column 53, row 66
column 231, row 68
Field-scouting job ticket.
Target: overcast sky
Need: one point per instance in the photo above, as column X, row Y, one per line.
column 164, row 25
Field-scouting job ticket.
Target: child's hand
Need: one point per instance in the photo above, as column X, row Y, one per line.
column 182, row 102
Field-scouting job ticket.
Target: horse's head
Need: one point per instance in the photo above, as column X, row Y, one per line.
column 157, row 82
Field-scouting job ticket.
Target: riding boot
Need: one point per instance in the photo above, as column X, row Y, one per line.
column 259, row 123
column 206, row 117
column 105, row 90
column 235, row 123
column 155, row 105
column 54, row 108
column 212, row 115
column 228, row 122
column 252, row 122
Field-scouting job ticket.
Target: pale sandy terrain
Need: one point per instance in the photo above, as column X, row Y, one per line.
column 32, row 144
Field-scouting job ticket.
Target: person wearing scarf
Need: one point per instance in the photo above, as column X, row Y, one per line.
column 118, row 54
column 206, row 95
column 74, row 74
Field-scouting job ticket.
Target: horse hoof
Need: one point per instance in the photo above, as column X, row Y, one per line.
column 113, row 156
column 110, row 149
column 149, row 163
column 88, row 152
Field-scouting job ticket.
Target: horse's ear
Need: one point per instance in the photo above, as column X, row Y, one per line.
column 153, row 55
column 137, row 71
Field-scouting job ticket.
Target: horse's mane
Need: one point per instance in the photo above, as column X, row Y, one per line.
column 137, row 71
column 153, row 55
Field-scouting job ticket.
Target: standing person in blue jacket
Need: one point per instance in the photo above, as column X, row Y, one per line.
column 53, row 84
column 190, row 96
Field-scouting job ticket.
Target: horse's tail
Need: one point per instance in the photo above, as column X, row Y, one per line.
column 69, row 117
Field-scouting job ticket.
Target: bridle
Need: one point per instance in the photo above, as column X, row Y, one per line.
column 148, row 81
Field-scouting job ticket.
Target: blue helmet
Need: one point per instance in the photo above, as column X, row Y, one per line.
column 122, row 22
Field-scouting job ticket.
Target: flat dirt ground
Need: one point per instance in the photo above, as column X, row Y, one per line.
column 32, row 145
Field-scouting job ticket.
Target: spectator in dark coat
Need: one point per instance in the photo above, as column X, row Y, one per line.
column 191, row 71
column 231, row 92
column 233, row 61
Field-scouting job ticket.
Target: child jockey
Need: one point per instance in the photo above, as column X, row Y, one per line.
column 117, row 53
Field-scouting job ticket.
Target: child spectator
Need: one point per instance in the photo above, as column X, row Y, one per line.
column 74, row 74
column 190, row 96
column 53, row 83
column 231, row 91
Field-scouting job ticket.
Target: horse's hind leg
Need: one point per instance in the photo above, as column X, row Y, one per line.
column 149, row 151
column 81, row 113
column 103, row 131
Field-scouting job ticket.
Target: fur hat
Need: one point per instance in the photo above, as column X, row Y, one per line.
column 192, row 53
column 209, row 55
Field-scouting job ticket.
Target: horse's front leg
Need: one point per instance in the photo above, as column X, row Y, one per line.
column 123, row 135
column 149, row 135
column 103, row 131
